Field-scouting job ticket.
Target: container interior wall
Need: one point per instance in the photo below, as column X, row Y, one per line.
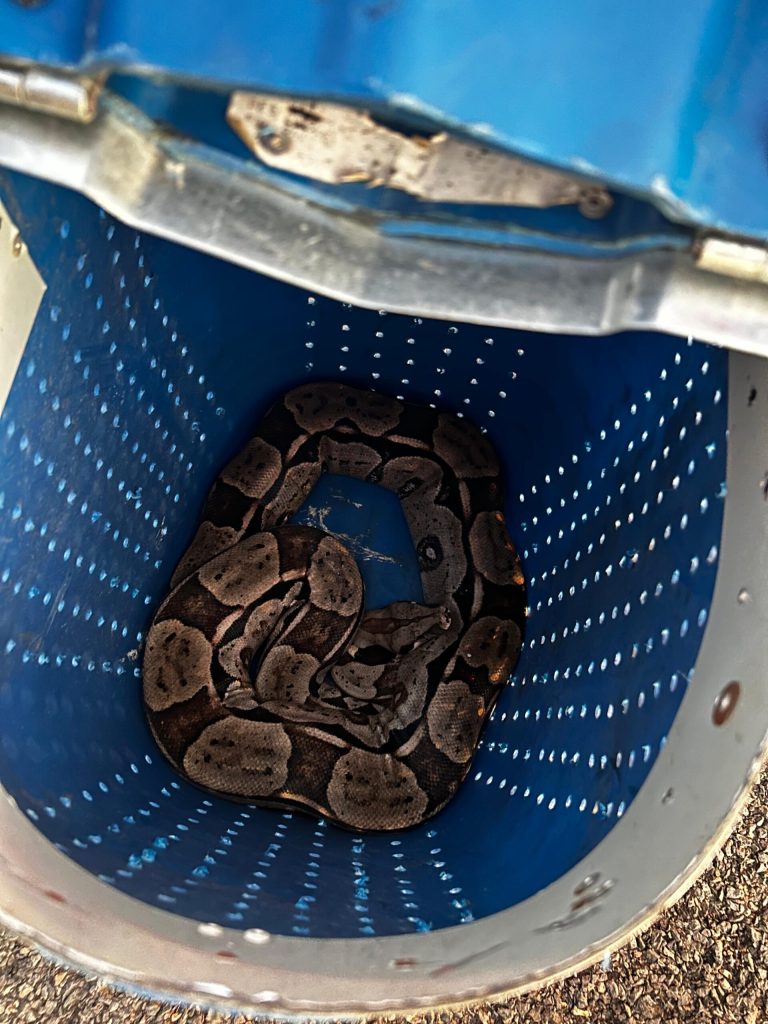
column 148, row 366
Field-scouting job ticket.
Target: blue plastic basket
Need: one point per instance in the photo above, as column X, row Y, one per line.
column 149, row 365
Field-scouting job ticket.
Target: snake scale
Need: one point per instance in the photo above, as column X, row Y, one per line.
column 265, row 679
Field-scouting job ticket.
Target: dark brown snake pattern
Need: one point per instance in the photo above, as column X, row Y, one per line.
column 264, row 679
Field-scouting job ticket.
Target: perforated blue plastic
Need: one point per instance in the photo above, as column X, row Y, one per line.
column 149, row 365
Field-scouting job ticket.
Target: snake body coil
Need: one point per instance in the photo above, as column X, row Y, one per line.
column 264, row 678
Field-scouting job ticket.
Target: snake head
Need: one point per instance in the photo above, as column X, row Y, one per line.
column 239, row 697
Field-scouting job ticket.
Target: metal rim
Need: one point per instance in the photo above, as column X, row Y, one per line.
column 695, row 789
column 176, row 190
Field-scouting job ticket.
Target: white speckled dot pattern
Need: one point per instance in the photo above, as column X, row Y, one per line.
column 149, row 365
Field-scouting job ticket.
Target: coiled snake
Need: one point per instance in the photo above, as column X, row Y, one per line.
column 264, row 678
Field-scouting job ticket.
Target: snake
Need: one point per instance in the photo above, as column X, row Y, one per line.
column 265, row 677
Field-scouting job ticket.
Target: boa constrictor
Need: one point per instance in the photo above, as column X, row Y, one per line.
column 264, row 678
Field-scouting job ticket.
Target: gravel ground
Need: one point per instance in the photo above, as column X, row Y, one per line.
column 705, row 960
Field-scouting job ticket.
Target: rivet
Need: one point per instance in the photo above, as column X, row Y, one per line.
column 595, row 203
column 272, row 140
column 725, row 703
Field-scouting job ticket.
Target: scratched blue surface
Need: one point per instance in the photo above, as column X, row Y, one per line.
column 148, row 366
column 665, row 99
column 371, row 523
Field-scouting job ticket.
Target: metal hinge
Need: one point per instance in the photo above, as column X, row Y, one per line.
column 75, row 98
column 338, row 144
column 733, row 258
